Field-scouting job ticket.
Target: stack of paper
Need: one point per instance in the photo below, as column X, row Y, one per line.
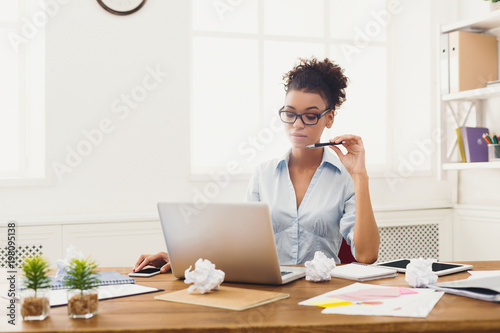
column 375, row 300
column 481, row 285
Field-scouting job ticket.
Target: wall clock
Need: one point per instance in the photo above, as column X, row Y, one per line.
column 122, row 7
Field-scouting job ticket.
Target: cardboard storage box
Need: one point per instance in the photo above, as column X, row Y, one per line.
column 473, row 60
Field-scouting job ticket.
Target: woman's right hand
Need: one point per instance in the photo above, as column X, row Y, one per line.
column 159, row 260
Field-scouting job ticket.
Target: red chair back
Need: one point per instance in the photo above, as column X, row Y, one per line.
column 345, row 254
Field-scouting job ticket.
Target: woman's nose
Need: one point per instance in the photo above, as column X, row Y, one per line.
column 299, row 123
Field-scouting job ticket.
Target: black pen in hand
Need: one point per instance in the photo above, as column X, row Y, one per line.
column 317, row 145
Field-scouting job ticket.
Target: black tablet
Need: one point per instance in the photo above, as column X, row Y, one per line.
column 440, row 268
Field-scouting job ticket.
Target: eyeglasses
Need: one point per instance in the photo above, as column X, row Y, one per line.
column 307, row 118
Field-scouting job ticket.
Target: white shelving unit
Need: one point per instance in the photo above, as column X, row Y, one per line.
column 470, row 166
column 475, row 94
column 471, row 100
column 474, row 227
column 479, row 24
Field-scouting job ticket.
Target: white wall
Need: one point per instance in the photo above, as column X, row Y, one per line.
column 93, row 58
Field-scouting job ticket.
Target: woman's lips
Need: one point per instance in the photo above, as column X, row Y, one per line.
column 298, row 137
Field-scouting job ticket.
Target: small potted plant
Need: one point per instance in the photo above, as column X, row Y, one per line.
column 81, row 278
column 35, row 301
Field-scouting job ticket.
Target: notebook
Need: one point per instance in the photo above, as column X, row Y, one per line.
column 475, row 147
column 60, row 297
column 105, row 278
column 460, row 143
column 361, row 272
column 237, row 237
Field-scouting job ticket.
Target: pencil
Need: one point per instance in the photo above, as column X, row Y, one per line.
column 487, row 138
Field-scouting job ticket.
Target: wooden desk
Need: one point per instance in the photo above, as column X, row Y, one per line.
column 142, row 313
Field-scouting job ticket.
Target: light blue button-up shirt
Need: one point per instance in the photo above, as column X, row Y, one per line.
column 325, row 215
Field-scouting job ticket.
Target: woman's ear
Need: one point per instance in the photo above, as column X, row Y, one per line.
column 330, row 117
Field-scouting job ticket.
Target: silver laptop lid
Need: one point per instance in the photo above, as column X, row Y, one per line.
column 237, row 237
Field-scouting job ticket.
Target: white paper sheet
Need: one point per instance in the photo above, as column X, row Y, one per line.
column 480, row 274
column 417, row 305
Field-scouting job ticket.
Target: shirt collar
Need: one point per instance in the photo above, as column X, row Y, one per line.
column 328, row 158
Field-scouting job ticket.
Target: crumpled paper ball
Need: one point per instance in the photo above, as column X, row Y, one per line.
column 419, row 272
column 320, row 268
column 204, row 277
column 62, row 264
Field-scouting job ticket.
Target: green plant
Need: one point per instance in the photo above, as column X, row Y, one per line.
column 35, row 270
column 81, row 274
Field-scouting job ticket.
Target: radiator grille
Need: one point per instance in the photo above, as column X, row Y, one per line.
column 21, row 252
column 412, row 241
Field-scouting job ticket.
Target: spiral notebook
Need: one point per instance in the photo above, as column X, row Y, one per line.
column 60, row 297
column 105, row 279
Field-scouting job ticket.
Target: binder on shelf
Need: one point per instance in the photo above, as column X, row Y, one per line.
column 475, row 147
column 472, row 60
column 444, row 65
column 460, row 143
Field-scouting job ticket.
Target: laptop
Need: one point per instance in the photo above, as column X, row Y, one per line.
column 237, row 237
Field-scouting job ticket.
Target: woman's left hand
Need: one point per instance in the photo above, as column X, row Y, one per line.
column 354, row 159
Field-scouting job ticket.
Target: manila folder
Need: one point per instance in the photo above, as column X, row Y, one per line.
column 226, row 297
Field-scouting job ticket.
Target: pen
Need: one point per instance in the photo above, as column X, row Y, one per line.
column 317, row 145
column 16, row 299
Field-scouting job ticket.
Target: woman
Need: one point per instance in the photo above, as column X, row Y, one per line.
column 314, row 199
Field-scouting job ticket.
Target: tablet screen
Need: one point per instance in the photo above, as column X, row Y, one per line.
column 396, row 264
column 439, row 266
column 436, row 266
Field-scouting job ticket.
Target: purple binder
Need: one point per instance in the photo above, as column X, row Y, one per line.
column 476, row 148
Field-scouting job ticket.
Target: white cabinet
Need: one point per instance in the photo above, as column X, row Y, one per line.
column 111, row 244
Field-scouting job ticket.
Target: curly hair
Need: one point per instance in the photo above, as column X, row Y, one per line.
column 324, row 77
